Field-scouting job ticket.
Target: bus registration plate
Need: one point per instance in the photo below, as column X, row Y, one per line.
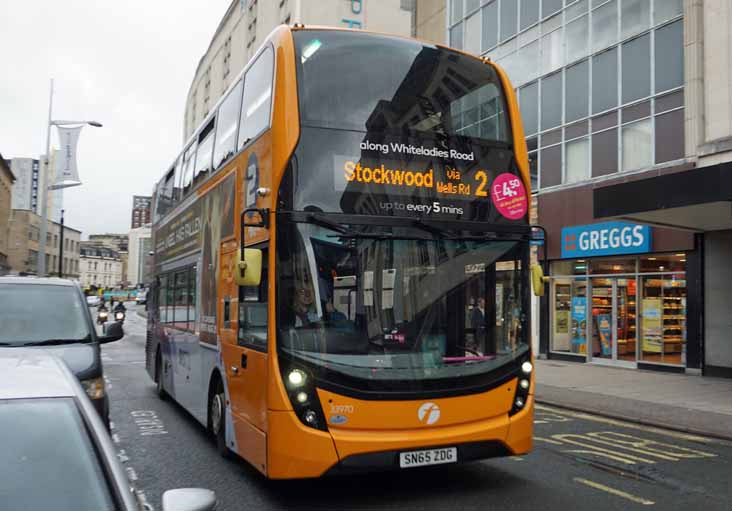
column 427, row 457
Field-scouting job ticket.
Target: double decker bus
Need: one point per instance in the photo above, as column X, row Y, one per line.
column 342, row 260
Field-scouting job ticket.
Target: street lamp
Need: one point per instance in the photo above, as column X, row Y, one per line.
column 44, row 179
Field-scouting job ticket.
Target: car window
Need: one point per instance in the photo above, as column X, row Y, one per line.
column 44, row 467
column 38, row 312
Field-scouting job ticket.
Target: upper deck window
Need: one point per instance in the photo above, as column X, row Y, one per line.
column 369, row 83
column 226, row 128
column 257, row 102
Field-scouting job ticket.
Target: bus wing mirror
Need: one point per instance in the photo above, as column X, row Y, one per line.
column 249, row 267
column 538, row 279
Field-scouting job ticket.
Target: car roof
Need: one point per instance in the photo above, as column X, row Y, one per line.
column 34, row 373
column 30, row 280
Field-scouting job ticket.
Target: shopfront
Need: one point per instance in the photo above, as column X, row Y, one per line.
column 614, row 301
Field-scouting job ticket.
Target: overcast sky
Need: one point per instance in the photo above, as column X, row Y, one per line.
column 127, row 64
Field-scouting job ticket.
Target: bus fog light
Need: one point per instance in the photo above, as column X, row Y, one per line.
column 296, row 378
column 311, row 418
column 527, row 367
column 524, row 384
column 301, row 397
column 519, row 402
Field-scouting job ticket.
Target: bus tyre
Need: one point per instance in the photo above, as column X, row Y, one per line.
column 159, row 386
column 217, row 418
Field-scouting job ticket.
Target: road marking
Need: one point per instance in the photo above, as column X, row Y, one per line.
column 547, row 440
column 131, row 474
column 122, row 456
column 148, row 423
column 613, row 491
column 115, row 438
column 628, row 425
column 582, row 442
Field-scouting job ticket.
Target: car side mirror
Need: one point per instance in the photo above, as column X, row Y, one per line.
column 248, row 270
column 113, row 332
column 189, row 499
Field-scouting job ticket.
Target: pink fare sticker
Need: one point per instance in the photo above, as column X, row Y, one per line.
column 509, row 196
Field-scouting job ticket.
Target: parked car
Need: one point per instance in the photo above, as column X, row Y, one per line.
column 51, row 314
column 93, row 300
column 55, row 452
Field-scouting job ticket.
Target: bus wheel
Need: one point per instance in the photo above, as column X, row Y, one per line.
column 160, row 387
column 217, row 418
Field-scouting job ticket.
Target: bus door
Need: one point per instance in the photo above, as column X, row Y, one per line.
column 243, row 331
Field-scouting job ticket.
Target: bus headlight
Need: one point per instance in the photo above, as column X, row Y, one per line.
column 300, row 386
column 301, row 397
column 296, row 378
column 94, row 387
column 527, row 367
column 523, row 386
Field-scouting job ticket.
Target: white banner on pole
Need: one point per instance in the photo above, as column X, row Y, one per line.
column 67, row 173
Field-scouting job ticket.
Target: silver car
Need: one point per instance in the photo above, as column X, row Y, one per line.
column 55, row 452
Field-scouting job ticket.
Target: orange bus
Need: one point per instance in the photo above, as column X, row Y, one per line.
column 341, row 260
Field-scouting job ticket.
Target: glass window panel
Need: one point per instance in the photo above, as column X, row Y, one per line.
column 605, row 152
column 602, row 122
column 204, row 158
column 577, row 33
column 551, row 138
column 189, row 158
column 550, row 172
column 637, row 68
column 605, row 26
column 472, row 34
column 549, row 7
column 567, row 337
column 529, row 35
column 534, row 170
column 530, row 108
column 257, row 102
column 527, row 64
column 612, row 265
column 509, row 18
column 635, row 17
column 471, row 5
column 663, row 262
column 456, row 13
column 576, row 130
column 578, row 160
column 670, row 136
column 605, row 80
column 551, row 101
column 576, row 9
column 529, row 13
column 490, row 25
column 180, row 307
column 637, row 111
column 637, row 145
column 551, row 24
column 577, row 91
column 456, row 36
column 532, row 144
column 669, row 101
column 669, row 56
column 552, row 52
column 667, row 9
column 226, row 127
column 663, row 319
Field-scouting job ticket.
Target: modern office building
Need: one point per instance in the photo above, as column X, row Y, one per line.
column 26, row 191
column 140, row 210
column 6, row 186
column 247, row 23
column 139, row 260
column 23, row 247
column 627, row 109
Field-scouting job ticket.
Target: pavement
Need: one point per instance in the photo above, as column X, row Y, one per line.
column 694, row 404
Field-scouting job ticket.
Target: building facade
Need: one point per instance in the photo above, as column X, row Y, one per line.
column 100, row 266
column 429, row 20
column 120, row 244
column 139, row 260
column 627, row 115
column 24, row 245
column 28, row 186
column 140, row 211
column 6, row 186
column 247, row 23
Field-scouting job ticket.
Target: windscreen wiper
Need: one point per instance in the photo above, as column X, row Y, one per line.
column 425, row 225
column 54, row 342
column 344, row 232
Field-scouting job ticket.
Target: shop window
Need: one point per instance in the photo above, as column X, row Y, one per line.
column 663, row 263
column 529, row 13
column 612, row 266
column 605, row 81
column 472, row 34
column 576, row 91
column 605, row 25
column 568, row 301
column 670, row 136
column 637, row 145
column 663, row 319
column 577, row 33
column 666, row 9
column 509, row 19
column 578, row 160
column 551, row 101
column 551, row 166
column 636, row 80
column 529, row 97
column 456, row 36
column 669, row 55
column 635, row 16
column 605, row 153
column 490, row 25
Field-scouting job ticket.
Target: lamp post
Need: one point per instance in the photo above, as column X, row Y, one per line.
column 44, row 179
column 61, row 247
